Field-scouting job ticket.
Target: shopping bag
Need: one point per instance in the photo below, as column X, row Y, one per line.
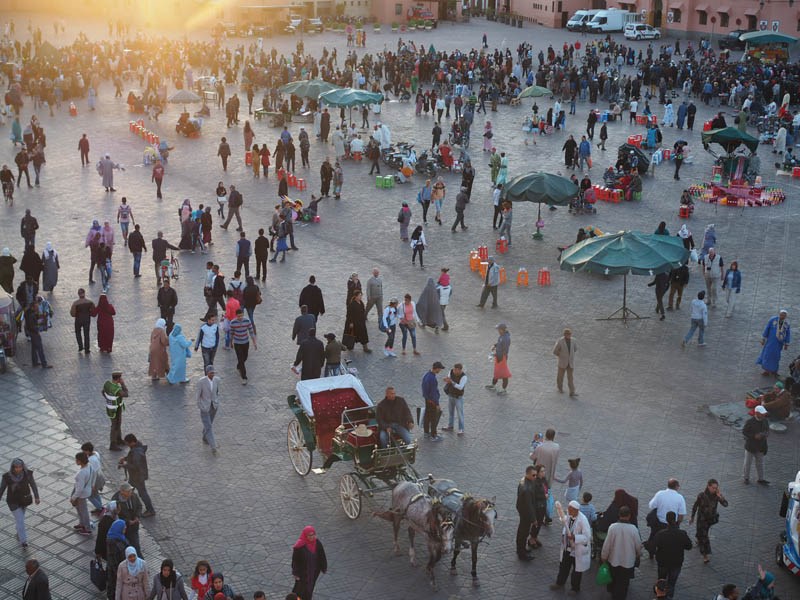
column 348, row 341
column 98, row 574
column 603, row 576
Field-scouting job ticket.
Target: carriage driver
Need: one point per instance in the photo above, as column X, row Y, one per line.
column 394, row 417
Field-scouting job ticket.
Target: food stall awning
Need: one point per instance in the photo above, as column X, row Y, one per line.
column 701, row 8
column 724, row 9
column 756, row 38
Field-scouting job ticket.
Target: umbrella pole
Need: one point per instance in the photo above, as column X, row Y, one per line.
column 623, row 313
column 538, row 235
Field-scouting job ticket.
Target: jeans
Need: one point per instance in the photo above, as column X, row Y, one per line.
column 730, row 300
column 418, row 249
column 96, row 501
column 241, row 357
column 749, row 457
column 696, row 323
column 671, row 575
column 390, row 337
column 456, row 405
column 142, row 489
column 250, row 312
column 412, row 331
column 445, row 326
column 243, row 262
column 124, row 228
column 83, row 344
column 489, row 289
column 208, row 421
column 208, row 356
column 83, row 513
column 505, row 230
column 19, row 521
column 399, row 431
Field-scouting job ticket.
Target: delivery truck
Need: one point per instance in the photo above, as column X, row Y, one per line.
column 612, row 19
column 580, row 20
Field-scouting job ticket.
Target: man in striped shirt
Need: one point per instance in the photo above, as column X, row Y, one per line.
column 241, row 333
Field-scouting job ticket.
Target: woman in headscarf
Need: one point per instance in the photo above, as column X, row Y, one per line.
column 107, row 236
column 108, row 515
column 51, row 267
column 611, row 514
column 159, row 364
column 115, row 544
column 686, row 237
column 428, row 307
column 255, row 160
column 308, row 561
column 168, row 584
column 93, row 230
column 31, row 264
column 353, row 284
column 7, row 270
column 16, row 132
column 487, row 137
column 21, row 492
column 249, row 136
column 218, row 586
column 709, row 239
column 404, row 218
column 179, row 351
column 104, row 311
column 355, row 323
column 132, row 577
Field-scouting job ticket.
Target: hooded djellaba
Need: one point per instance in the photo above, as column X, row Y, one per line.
column 428, row 308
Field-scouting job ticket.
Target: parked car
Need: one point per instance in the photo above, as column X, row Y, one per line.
column 294, row 24
column 732, row 41
column 314, row 25
column 641, row 31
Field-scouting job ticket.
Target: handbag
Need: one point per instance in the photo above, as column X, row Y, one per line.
column 348, row 341
column 98, row 574
column 603, row 576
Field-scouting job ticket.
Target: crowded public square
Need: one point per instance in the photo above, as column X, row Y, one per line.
column 188, row 253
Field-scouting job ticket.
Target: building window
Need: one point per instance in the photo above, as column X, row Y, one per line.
column 702, row 17
column 724, row 20
column 752, row 22
column 398, row 9
column 560, row 8
column 676, row 15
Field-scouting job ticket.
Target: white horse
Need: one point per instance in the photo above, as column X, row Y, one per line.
column 425, row 515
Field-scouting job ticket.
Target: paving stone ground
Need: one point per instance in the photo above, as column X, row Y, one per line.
column 642, row 412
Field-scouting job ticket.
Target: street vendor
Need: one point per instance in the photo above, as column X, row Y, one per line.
column 778, row 401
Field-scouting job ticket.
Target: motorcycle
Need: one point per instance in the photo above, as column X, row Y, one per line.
column 425, row 166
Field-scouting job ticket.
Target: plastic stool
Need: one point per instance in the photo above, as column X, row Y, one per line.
column 291, row 180
column 484, row 266
column 379, row 181
column 637, row 196
column 483, row 252
column 131, row 125
column 301, row 185
column 501, row 245
column 316, row 219
column 248, row 158
column 502, row 275
column 474, row 260
column 684, row 212
column 522, row 277
column 281, row 174
column 388, row 181
column 357, row 156
column 544, row 276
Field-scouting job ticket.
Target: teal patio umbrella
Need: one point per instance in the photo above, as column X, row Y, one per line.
column 540, row 187
column 308, row 88
column 729, row 138
column 350, row 97
column 623, row 253
column 534, row 91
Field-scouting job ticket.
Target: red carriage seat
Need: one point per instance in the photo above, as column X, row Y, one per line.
column 328, row 407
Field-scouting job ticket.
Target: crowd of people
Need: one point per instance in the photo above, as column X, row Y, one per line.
column 438, row 81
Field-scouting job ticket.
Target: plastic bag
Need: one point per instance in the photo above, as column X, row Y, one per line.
column 603, row 576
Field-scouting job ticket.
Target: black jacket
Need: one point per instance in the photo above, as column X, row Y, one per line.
column 752, row 427
column 300, row 558
column 311, row 296
column 167, row 299
column 525, row 500
column 670, row 544
column 37, row 587
column 136, row 461
column 680, row 276
column 312, row 354
column 160, row 247
column 261, row 247
column 136, row 242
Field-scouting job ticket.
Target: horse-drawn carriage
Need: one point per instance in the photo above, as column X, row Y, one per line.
column 336, row 417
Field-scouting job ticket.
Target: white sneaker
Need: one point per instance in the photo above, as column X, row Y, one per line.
column 385, row 352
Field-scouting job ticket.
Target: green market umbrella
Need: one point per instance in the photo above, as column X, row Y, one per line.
column 729, row 138
column 350, row 97
column 540, row 187
column 308, row 88
column 623, row 253
column 534, row 91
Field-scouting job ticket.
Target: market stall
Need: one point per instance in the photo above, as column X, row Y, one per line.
column 767, row 46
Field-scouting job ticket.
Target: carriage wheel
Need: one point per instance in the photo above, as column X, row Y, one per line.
column 350, row 495
column 299, row 453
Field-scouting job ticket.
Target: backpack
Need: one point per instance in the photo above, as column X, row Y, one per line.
column 236, row 291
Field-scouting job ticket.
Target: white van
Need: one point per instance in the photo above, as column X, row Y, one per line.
column 580, row 19
column 612, row 19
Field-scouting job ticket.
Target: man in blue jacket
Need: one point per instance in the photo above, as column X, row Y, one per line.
column 430, row 392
